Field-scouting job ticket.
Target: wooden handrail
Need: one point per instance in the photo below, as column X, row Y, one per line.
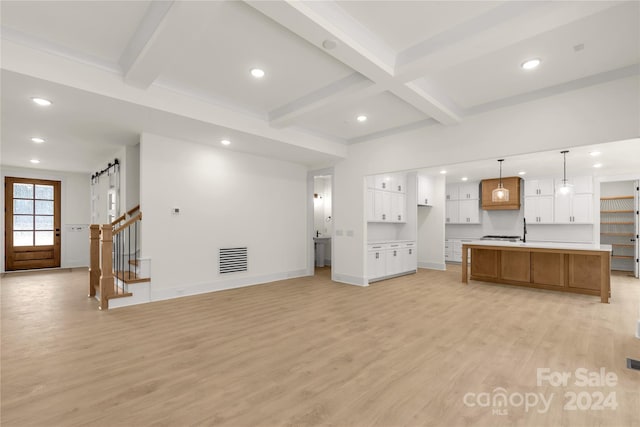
column 128, row 223
column 120, row 218
column 133, row 209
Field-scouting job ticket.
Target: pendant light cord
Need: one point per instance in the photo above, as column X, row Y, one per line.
column 564, row 174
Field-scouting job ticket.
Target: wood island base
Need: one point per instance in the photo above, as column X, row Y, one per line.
column 558, row 269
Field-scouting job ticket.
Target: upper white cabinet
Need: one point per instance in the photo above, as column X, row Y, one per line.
column 575, row 208
column 463, row 191
column 463, row 203
column 386, row 198
column 538, row 187
column 543, row 206
column 426, row 186
column 396, row 182
column 538, row 209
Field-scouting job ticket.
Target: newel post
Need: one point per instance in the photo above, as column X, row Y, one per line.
column 106, row 276
column 94, row 262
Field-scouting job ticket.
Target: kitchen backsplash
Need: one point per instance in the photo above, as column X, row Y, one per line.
column 509, row 223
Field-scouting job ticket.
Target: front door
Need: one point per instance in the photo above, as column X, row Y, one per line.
column 32, row 223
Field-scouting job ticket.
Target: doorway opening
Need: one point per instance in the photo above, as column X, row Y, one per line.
column 619, row 224
column 322, row 225
column 32, row 224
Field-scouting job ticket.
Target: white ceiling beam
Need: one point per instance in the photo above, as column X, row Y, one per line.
column 356, row 47
column 485, row 34
column 51, row 67
column 286, row 114
column 134, row 60
column 166, row 32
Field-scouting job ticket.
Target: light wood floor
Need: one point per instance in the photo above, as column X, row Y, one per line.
column 307, row 352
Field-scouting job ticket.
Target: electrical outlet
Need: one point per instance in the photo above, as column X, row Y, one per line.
column 175, row 211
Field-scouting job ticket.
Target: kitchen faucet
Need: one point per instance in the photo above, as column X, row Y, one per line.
column 524, row 231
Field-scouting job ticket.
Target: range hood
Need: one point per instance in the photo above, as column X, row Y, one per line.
column 511, row 183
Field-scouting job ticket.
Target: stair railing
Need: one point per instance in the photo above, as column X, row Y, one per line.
column 112, row 261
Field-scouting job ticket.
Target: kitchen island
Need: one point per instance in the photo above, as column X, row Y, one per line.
column 566, row 267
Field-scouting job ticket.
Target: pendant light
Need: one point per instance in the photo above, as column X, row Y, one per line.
column 564, row 188
column 500, row 194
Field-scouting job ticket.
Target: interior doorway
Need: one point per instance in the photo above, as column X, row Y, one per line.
column 32, row 223
column 620, row 224
column 321, row 221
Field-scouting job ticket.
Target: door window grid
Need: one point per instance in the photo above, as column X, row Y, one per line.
column 33, row 210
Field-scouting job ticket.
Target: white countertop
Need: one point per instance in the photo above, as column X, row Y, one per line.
column 542, row 245
column 385, row 242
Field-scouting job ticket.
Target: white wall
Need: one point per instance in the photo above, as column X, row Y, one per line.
column 226, row 199
column 74, row 212
column 617, row 188
column 132, row 174
column 431, row 229
column 598, row 114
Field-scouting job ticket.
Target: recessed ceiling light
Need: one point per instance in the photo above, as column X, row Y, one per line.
column 41, row 101
column 37, row 140
column 361, row 118
column 522, row 173
column 594, row 153
column 464, row 178
column 597, row 165
column 530, row 64
column 225, row 142
column 257, row 73
column 35, row 161
column 443, row 172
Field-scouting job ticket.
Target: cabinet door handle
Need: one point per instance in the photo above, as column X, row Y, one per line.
column 399, row 217
column 384, row 185
column 384, row 216
column 377, row 255
column 399, row 187
column 410, row 251
column 426, row 201
column 395, row 253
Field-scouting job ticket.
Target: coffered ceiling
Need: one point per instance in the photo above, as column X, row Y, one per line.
column 182, row 68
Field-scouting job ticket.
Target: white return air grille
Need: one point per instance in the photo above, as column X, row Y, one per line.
column 233, row 260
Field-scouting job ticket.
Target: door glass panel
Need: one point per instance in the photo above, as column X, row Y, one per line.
column 44, row 238
column 23, row 207
column 44, row 223
column 22, row 191
column 44, row 207
column 23, row 238
column 44, row 192
column 23, row 222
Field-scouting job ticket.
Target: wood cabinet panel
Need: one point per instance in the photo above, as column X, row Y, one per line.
column 547, row 268
column 510, row 183
column 515, row 266
column 585, row 271
column 484, row 263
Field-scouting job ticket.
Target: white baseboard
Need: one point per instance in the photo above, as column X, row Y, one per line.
column 432, row 265
column 182, row 290
column 349, row 280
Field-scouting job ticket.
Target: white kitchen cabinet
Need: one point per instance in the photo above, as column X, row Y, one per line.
column 582, row 184
column 394, row 260
column 452, row 211
column 376, row 261
column 399, row 182
column 391, row 259
column 382, row 206
column 538, row 209
column 409, row 257
column 453, row 250
column 398, row 207
column 386, row 201
column 469, row 212
column 573, row 209
column 538, row 187
column 426, row 187
column 463, row 204
column 469, row 191
column 451, row 192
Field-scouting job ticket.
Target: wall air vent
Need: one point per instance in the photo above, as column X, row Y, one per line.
column 233, row 260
